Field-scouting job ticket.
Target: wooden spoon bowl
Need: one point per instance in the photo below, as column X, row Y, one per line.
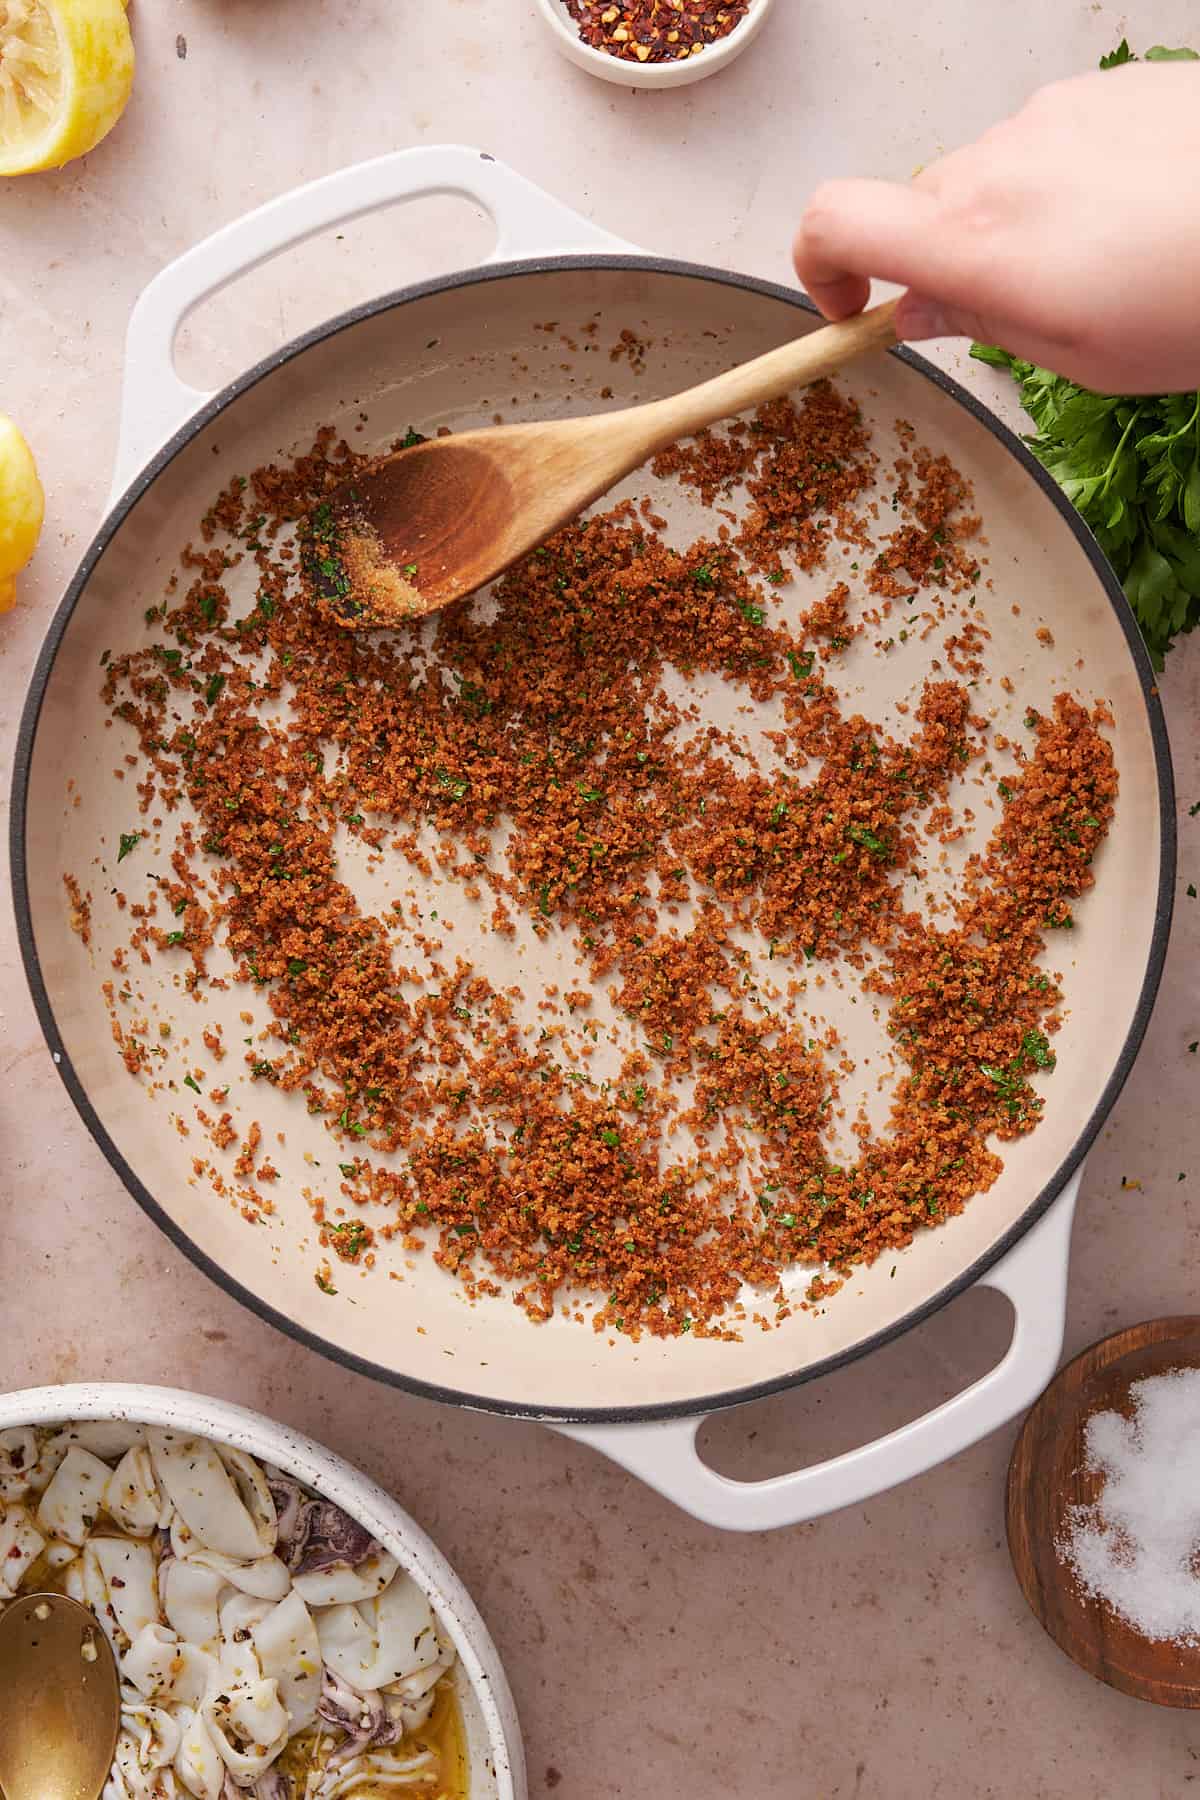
column 1046, row 1478
column 433, row 523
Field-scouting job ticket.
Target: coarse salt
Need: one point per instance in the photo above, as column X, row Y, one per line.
column 1138, row 1546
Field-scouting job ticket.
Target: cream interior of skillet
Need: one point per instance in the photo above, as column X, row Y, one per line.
column 1018, row 654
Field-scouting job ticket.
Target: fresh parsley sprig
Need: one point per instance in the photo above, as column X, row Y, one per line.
column 1156, row 53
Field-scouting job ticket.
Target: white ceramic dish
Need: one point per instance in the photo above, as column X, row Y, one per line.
column 713, row 57
column 491, row 1729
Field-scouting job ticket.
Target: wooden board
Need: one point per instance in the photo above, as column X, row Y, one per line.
column 1045, row 1479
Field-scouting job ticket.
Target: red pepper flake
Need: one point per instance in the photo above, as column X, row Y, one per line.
column 655, row 30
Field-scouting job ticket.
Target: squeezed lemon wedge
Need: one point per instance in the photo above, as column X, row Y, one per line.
column 66, row 71
column 22, row 504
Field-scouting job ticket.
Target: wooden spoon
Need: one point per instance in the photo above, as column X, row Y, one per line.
column 60, row 1702
column 433, row 523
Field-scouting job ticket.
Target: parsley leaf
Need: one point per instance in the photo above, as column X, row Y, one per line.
column 1122, row 54
column 457, row 785
column 1037, row 1048
column 868, row 840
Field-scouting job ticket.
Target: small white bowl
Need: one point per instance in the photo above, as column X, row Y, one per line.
column 489, row 1716
column 565, row 33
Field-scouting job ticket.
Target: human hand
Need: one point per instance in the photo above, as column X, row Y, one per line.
column 1070, row 234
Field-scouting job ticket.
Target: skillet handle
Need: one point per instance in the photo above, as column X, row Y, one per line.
column 155, row 402
column 1034, row 1277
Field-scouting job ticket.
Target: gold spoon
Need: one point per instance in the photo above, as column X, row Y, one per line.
column 430, row 524
column 60, row 1700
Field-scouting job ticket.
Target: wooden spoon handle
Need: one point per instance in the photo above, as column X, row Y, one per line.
column 793, row 365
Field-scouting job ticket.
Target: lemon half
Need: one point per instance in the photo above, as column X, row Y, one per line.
column 66, row 70
column 22, row 504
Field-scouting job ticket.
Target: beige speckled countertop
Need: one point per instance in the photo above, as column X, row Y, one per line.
column 886, row 1653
